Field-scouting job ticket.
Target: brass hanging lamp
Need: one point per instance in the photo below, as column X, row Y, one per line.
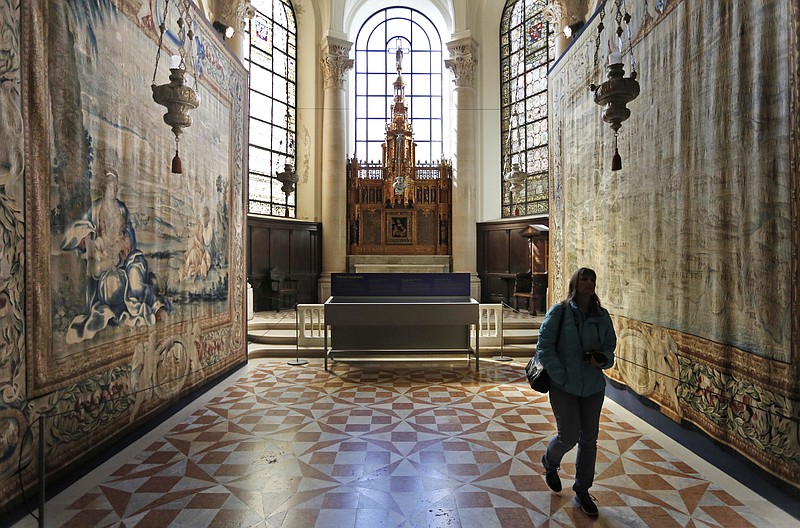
column 177, row 96
column 616, row 91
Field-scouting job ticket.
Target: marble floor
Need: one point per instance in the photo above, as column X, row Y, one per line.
column 393, row 444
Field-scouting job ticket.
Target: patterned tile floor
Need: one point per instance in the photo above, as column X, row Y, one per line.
column 390, row 444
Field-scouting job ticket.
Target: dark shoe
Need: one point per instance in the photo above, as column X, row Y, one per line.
column 587, row 503
column 551, row 477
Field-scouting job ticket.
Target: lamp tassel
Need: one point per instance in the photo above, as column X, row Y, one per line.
column 616, row 161
column 177, row 165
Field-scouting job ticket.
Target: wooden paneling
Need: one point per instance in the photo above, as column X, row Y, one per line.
column 295, row 247
column 298, row 251
column 503, row 252
column 497, row 250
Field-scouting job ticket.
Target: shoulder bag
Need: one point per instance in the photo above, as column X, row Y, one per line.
column 538, row 378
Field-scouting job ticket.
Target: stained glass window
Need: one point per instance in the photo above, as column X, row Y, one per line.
column 526, row 51
column 270, row 54
column 376, row 71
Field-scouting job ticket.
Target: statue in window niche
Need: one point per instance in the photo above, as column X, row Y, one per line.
column 399, row 56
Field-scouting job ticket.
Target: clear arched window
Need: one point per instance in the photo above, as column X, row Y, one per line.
column 271, row 56
column 526, row 52
column 376, row 70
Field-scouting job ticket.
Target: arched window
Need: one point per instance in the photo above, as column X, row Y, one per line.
column 375, row 72
column 271, row 56
column 526, row 52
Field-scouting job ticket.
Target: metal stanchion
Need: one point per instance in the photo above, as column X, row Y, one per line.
column 41, row 471
column 502, row 356
column 297, row 362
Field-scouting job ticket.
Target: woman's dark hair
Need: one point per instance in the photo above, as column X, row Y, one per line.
column 573, row 284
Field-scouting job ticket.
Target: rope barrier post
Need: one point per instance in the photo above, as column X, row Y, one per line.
column 41, row 471
column 501, row 331
column 297, row 362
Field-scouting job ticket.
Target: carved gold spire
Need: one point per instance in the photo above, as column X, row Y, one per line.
column 399, row 155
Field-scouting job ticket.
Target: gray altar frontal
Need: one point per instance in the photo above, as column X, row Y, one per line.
column 400, row 312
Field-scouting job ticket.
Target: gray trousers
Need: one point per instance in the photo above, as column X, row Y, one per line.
column 578, row 422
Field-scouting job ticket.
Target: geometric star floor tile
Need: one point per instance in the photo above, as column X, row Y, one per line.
column 402, row 445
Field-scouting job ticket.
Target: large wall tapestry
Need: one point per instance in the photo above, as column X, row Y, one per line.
column 128, row 248
column 693, row 238
column 134, row 277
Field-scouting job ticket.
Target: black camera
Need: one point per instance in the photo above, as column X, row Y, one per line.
column 596, row 354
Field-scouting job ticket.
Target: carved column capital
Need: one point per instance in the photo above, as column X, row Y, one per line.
column 463, row 61
column 562, row 13
column 237, row 13
column 553, row 13
column 335, row 61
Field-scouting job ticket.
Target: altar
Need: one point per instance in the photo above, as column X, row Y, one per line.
column 405, row 313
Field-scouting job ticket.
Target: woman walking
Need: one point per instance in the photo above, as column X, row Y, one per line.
column 576, row 342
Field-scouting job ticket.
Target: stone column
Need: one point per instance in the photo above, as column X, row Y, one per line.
column 236, row 14
column 462, row 62
column 562, row 13
column 335, row 64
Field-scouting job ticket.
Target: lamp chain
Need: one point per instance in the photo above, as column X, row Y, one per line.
column 289, row 130
column 618, row 20
column 600, row 28
column 162, row 28
column 186, row 22
column 508, row 142
column 627, row 19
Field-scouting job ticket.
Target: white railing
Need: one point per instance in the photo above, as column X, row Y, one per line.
column 490, row 325
column 310, row 325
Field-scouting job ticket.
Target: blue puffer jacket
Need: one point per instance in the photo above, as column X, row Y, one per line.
column 565, row 366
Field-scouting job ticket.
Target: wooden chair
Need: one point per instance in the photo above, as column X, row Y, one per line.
column 523, row 289
column 539, row 292
column 281, row 289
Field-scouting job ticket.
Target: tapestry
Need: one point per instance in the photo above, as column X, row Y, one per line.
column 693, row 239
column 13, row 419
column 122, row 284
column 129, row 248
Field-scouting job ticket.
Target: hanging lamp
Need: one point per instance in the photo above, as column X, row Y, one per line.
column 176, row 95
column 616, row 91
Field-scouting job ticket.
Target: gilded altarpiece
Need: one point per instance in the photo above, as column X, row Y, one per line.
column 383, row 221
column 695, row 240
column 122, row 284
column 399, row 206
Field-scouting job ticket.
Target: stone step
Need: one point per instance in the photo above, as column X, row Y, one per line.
column 282, row 350
column 275, row 334
column 261, row 324
column 273, row 337
column 520, row 352
column 289, row 335
column 516, row 337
